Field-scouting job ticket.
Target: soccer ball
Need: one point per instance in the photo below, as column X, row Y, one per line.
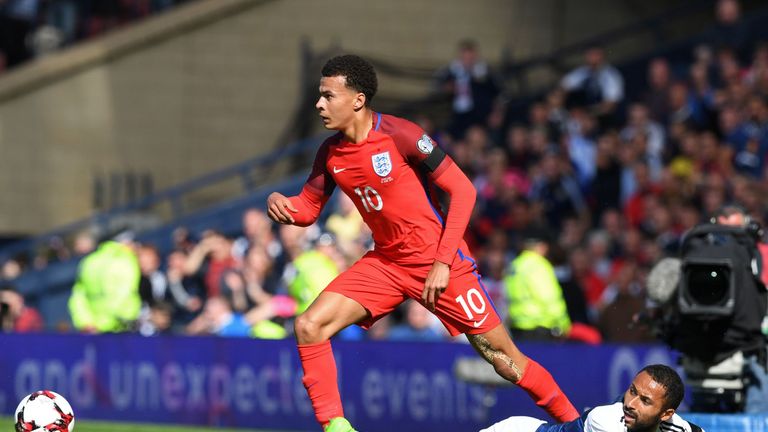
column 44, row 411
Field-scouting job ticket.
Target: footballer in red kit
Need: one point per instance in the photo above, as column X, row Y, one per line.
column 390, row 168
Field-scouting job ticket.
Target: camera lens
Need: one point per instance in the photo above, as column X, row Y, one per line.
column 708, row 284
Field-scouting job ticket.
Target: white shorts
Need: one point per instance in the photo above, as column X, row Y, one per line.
column 516, row 424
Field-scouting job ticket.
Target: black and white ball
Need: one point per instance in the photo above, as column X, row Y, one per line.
column 44, row 411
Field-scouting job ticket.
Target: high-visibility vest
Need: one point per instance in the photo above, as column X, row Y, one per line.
column 105, row 296
column 534, row 294
column 314, row 271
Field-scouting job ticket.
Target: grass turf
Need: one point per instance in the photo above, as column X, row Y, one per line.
column 6, row 424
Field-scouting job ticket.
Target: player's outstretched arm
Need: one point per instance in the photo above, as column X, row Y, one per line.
column 302, row 209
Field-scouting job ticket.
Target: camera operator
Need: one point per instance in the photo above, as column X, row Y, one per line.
column 711, row 306
column 735, row 215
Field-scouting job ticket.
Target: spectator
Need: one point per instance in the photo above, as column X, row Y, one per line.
column 522, row 217
column 557, row 192
column 680, row 107
column 605, row 190
column 732, row 127
column 557, row 114
column 599, row 248
column 518, row 148
column 182, row 239
column 186, row 292
column 537, row 310
column 703, row 96
column 644, row 186
column 158, row 321
column 573, row 292
column 16, row 315
column 253, row 283
column 497, row 187
column 211, row 258
column 539, row 118
column 712, row 193
column 757, row 75
column 582, row 274
column 620, row 302
column 730, row 30
column 83, row 244
column 257, row 231
column 596, row 85
column 105, row 297
column 653, row 136
column 153, row 285
column 656, row 97
column 10, row 270
column 580, row 144
column 469, row 81
column 582, row 329
column 750, row 144
column 219, row 319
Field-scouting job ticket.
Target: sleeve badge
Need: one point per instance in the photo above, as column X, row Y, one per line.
column 425, row 144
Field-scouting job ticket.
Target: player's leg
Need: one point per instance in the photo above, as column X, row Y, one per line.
column 362, row 294
column 328, row 314
column 516, row 424
column 465, row 307
column 497, row 348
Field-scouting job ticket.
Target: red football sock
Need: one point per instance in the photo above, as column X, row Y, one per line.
column 543, row 389
column 320, row 380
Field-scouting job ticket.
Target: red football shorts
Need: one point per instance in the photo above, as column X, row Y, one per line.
column 380, row 286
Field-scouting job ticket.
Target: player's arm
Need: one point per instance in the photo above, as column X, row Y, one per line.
column 450, row 178
column 304, row 209
column 425, row 155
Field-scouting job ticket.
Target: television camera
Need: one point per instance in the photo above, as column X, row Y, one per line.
column 711, row 307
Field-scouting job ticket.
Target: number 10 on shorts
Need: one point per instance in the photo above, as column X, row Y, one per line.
column 473, row 305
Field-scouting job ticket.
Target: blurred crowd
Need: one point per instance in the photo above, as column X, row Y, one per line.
column 32, row 28
column 577, row 200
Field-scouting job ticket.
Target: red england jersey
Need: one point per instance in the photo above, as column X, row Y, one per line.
column 391, row 178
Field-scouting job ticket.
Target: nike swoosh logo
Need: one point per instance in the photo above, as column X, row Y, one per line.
column 336, row 171
column 479, row 323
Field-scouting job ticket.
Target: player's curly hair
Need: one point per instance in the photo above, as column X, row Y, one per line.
column 359, row 73
column 670, row 380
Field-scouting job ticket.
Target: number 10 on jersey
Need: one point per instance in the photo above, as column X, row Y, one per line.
column 370, row 198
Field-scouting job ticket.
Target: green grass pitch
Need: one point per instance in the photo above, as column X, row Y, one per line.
column 6, row 424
